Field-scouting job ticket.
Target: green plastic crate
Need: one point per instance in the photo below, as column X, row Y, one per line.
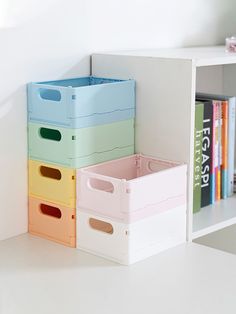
column 78, row 148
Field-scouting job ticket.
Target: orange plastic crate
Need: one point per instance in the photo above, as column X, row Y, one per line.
column 51, row 221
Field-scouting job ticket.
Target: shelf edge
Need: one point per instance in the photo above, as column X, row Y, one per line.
column 213, row 228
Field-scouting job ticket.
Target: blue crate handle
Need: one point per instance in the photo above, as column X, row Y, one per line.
column 49, row 94
column 50, row 99
column 52, row 93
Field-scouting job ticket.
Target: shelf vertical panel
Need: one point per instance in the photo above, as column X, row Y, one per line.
column 165, row 97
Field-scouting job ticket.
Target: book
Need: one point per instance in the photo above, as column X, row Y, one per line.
column 218, row 125
column 206, row 170
column 231, row 159
column 224, row 151
column 214, row 152
column 214, row 155
column 231, row 145
column 197, row 156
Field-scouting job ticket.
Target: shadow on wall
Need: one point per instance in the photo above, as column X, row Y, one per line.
column 14, row 14
column 43, row 43
column 157, row 24
column 71, row 72
column 19, row 96
column 13, row 158
column 13, row 165
column 217, row 19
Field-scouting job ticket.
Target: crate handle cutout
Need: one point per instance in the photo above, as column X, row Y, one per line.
column 156, row 166
column 50, row 134
column 50, row 94
column 50, row 211
column 101, row 225
column 51, row 173
column 101, row 185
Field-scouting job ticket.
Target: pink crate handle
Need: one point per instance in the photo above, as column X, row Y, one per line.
column 107, row 181
column 100, row 185
column 161, row 164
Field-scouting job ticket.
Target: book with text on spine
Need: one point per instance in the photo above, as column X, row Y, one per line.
column 231, row 158
column 197, row 156
column 207, row 165
column 214, row 160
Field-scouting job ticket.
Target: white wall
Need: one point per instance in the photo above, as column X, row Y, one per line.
column 157, row 23
column 51, row 39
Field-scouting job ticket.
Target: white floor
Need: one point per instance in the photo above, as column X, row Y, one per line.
column 38, row 276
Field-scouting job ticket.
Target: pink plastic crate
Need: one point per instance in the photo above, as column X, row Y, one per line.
column 131, row 188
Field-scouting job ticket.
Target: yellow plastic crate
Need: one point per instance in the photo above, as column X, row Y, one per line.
column 52, row 183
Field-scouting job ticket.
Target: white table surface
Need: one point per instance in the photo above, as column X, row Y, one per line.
column 38, row 276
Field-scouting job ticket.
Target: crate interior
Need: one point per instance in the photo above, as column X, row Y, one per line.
column 131, row 167
column 80, row 82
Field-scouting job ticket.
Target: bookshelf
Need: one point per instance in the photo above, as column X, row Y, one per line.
column 167, row 80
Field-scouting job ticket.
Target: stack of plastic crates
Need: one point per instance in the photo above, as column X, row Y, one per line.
column 73, row 123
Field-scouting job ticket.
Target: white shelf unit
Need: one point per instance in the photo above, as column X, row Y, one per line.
column 166, row 82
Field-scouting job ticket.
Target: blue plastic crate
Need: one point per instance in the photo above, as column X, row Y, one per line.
column 81, row 102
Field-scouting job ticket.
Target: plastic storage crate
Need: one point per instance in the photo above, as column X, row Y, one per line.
column 81, row 102
column 51, row 221
column 130, row 243
column 78, row 148
column 52, row 183
column 131, row 188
